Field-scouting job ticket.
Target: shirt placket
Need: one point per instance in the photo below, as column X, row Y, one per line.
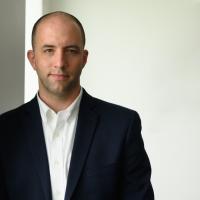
column 57, row 163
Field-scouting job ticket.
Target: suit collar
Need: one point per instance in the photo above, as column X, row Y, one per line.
column 86, row 125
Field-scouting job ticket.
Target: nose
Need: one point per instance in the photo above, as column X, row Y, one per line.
column 59, row 60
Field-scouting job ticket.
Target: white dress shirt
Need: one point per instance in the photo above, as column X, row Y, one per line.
column 59, row 132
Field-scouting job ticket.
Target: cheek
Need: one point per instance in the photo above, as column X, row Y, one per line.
column 75, row 64
column 42, row 69
column 42, row 61
column 42, row 65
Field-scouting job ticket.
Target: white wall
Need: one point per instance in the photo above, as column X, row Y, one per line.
column 12, row 21
column 34, row 10
column 145, row 55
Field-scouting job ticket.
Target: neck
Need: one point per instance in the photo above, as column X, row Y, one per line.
column 58, row 103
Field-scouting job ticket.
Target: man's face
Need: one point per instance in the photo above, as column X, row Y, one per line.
column 58, row 56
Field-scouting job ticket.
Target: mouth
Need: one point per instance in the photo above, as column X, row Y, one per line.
column 59, row 77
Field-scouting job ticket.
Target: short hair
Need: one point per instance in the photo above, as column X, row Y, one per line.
column 35, row 26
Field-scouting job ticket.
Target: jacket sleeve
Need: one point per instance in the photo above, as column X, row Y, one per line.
column 136, row 166
column 2, row 187
column 3, row 195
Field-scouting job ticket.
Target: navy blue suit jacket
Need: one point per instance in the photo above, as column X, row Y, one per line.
column 108, row 160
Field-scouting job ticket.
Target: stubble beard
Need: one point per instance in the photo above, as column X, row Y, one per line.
column 60, row 89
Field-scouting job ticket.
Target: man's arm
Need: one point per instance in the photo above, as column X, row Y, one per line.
column 2, row 187
column 137, row 169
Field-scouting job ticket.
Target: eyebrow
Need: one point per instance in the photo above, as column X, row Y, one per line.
column 48, row 46
column 73, row 47
column 66, row 47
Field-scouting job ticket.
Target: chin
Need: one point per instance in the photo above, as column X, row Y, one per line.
column 63, row 90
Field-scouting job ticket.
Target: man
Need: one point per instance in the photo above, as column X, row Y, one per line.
column 65, row 144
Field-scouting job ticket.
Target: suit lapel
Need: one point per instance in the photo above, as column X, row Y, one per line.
column 36, row 143
column 87, row 122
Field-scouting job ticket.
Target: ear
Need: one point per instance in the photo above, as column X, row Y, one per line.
column 85, row 56
column 31, row 58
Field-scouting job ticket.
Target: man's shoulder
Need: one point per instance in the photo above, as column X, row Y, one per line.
column 112, row 106
column 104, row 107
column 17, row 112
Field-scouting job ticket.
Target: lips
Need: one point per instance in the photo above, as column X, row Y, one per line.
column 59, row 76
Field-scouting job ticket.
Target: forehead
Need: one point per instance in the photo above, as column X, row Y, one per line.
column 57, row 26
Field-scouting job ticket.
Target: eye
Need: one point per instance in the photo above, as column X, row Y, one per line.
column 72, row 51
column 48, row 50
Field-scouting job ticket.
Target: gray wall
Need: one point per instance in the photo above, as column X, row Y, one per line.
column 12, row 32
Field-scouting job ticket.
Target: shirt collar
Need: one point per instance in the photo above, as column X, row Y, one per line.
column 46, row 111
